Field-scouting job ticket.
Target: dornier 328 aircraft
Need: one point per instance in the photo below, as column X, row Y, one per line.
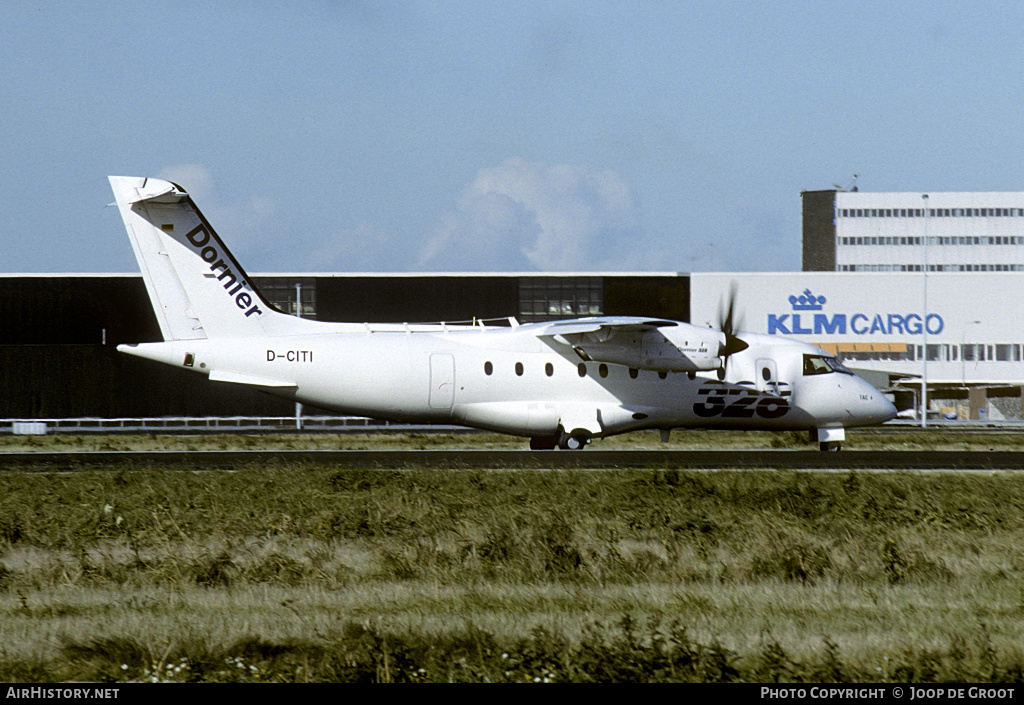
column 559, row 383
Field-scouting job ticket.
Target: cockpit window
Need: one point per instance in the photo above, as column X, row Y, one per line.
column 836, row 365
column 822, row 365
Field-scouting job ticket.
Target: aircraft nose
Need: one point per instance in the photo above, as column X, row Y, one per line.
column 870, row 405
column 883, row 408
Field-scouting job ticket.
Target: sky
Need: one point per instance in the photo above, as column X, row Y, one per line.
column 518, row 136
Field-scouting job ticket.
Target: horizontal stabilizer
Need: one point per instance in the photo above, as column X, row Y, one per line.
column 157, row 191
column 252, row 380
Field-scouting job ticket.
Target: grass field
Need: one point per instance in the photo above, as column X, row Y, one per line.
column 281, row 572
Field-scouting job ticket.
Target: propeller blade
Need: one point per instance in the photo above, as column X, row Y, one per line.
column 728, row 324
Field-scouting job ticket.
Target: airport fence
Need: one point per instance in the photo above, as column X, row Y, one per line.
column 355, row 424
column 209, row 424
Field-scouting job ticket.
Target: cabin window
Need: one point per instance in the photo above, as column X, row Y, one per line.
column 633, row 372
column 549, row 369
column 663, row 375
column 582, row 369
column 488, row 368
column 519, row 369
column 603, row 370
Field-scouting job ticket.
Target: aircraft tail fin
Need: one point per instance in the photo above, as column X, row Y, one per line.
column 197, row 287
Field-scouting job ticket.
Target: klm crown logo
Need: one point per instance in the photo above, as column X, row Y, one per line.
column 807, row 301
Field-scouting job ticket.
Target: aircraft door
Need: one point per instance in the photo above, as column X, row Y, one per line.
column 767, row 376
column 442, row 381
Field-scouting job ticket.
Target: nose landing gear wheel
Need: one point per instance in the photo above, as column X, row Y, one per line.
column 832, row 446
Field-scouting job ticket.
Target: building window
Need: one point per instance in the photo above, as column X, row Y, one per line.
column 551, row 298
column 284, row 292
column 1008, row 353
column 972, row 352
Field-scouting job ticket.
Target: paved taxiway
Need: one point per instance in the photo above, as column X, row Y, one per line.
column 587, row 459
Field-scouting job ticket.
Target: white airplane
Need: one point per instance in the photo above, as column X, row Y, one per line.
column 559, row 383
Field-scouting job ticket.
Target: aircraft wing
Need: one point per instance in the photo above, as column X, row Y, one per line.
column 601, row 326
column 642, row 343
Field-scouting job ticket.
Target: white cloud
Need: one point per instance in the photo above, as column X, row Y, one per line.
column 362, row 248
column 196, row 179
column 516, row 216
column 524, row 215
column 242, row 223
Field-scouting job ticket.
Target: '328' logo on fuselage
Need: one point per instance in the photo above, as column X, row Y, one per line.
column 738, row 403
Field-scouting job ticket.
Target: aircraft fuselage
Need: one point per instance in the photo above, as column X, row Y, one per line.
column 512, row 381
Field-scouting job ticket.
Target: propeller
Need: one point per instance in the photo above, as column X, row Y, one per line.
column 728, row 324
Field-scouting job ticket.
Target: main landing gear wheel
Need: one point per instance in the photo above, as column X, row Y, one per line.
column 544, row 443
column 576, row 440
column 832, row 446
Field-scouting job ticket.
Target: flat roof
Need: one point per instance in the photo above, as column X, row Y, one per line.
column 868, row 192
column 68, row 275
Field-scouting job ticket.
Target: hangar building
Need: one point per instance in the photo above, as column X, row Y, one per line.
column 59, row 333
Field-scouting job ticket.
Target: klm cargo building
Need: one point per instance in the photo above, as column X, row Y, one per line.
column 966, row 337
column 926, row 285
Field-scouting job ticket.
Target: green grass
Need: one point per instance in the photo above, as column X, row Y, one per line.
column 281, row 571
